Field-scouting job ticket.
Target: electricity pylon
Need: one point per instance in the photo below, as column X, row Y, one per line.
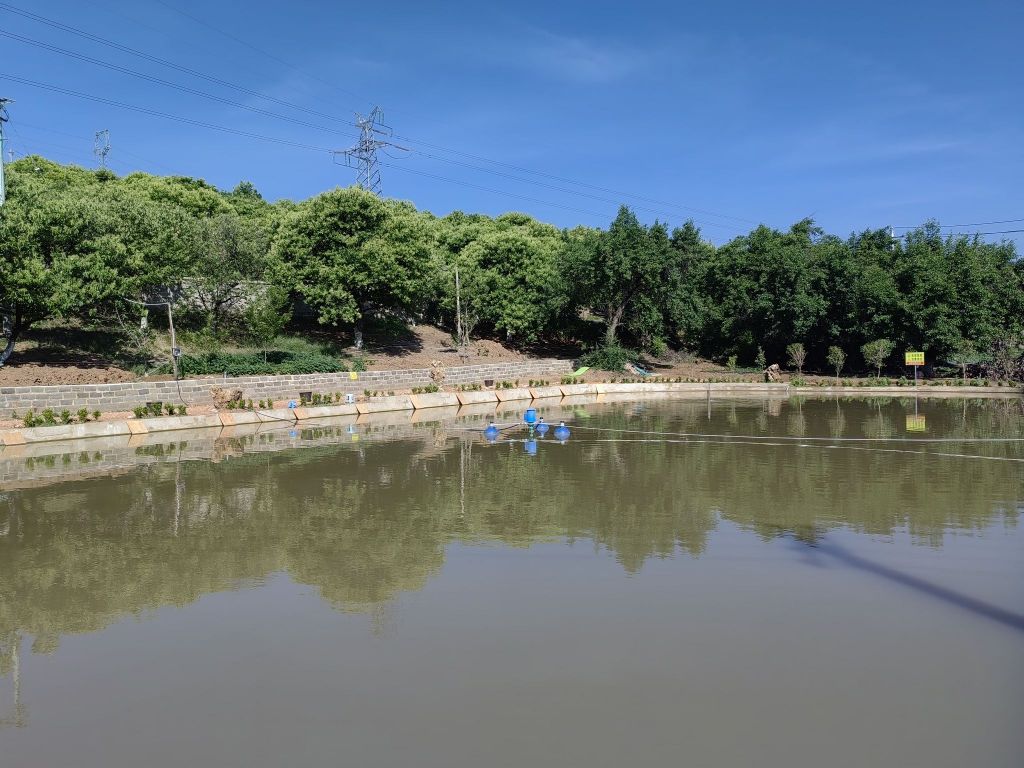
column 3, row 119
column 363, row 156
column 101, row 146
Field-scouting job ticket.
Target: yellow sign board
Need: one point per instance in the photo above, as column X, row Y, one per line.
column 914, row 358
column 915, row 423
column 353, row 375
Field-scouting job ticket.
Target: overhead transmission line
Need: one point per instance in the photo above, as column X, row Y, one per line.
column 260, row 51
column 261, row 137
column 281, row 102
column 968, row 234
column 168, row 83
column 657, row 211
column 120, row 151
column 162, row 62
column 565, row 180
column 975, row 224
column 165, row 115
column 406, row 169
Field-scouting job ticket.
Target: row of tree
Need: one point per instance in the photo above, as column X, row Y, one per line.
column 82, row 244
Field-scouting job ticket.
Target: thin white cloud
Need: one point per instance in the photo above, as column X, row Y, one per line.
column 574, row 59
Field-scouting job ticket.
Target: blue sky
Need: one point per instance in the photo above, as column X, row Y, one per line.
column 858, row 114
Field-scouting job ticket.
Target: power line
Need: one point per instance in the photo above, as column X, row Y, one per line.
column 975, row 224
column 286, row 142
column 165, row 115
column 471, row 156
column 162, row 62
column 260, row 51
column 494, row 191
column 968, row 234
column 565, row 180
column 243, row 89
column 120, row 151
column 561, row 189
column 167, row 83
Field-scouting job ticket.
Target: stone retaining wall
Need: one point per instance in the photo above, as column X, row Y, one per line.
column 125, row 396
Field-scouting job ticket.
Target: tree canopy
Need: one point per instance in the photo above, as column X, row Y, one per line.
column 79, row 244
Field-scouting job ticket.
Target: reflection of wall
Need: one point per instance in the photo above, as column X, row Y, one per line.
column 363, row 521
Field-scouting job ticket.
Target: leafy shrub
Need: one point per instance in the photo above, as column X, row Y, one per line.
column 96, row 415
column 253, row 364
column 140, row 411
column 49, row 418
column 83, row 415
column 797, row 355
column 611, row 357
column 65, row 416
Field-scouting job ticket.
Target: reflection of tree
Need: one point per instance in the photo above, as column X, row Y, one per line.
column 364, row 522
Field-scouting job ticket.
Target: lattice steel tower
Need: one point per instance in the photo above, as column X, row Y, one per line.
column 363, row 156
column 3, row 119
column 101, row 146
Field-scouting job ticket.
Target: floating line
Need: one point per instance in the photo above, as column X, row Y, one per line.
column 804, row 445
column 815, row 439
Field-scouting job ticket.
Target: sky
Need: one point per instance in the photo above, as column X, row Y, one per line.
column 859, row 115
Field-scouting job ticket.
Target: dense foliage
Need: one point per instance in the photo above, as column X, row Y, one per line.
column 89, row 246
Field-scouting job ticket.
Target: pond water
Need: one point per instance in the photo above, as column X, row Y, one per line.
column 627, row 598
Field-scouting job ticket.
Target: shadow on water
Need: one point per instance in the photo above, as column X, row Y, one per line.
column 950, row 597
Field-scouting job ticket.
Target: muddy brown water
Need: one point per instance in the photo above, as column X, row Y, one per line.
column 625, row 598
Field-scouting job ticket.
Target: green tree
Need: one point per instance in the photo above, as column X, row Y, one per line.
column 74, row 244
column 762, row 289
column 685, row 305
column 877, row 352
column 266, row 316
column 350, row 253
column 964, row 352
column 837, row 359
column 797, row 355
column 511, row 276
column 619, row 274
column 232, row 255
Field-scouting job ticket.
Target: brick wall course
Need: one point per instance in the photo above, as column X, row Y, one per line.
column 124, row 396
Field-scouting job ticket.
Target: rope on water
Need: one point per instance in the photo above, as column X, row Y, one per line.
column 805, row 439
column 1011, row 459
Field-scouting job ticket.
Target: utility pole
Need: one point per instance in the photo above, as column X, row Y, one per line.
column 101, row 147
column 3, row 119
column 363, row 156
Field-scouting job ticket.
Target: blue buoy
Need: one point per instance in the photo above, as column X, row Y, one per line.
column 542, row 427
column 292, row 404
column 530, row 417
column 530, row 446
column 292, row 433
column 491, row 433
column 562, row 432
